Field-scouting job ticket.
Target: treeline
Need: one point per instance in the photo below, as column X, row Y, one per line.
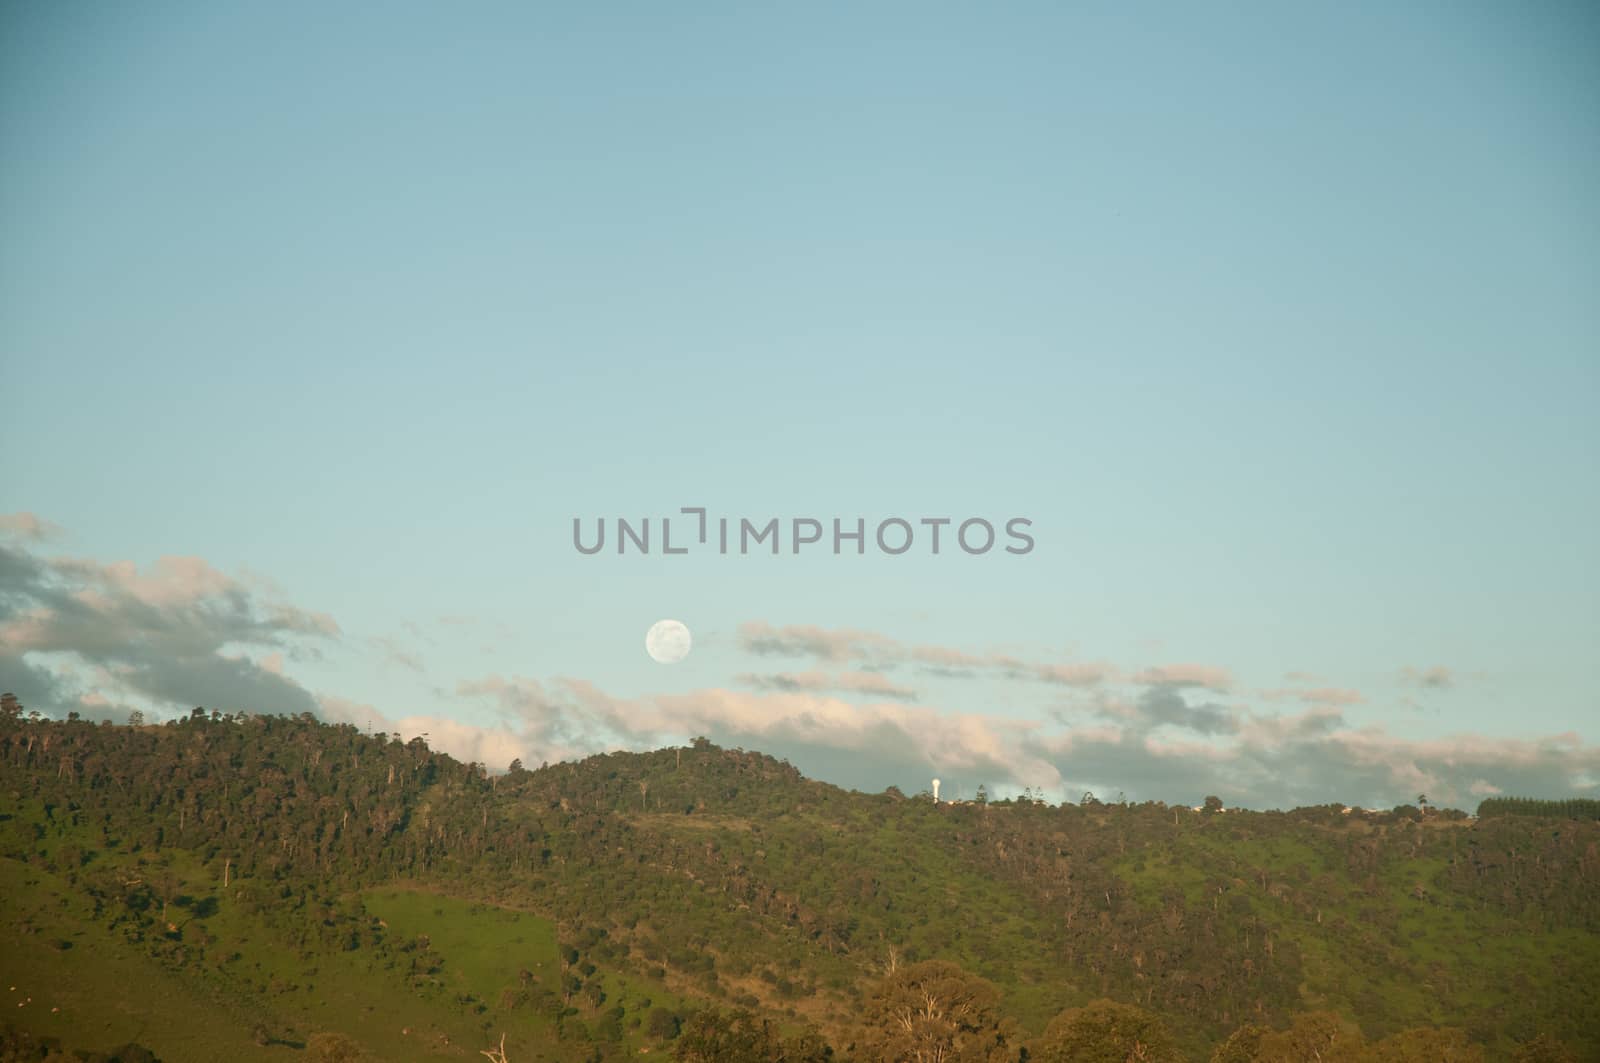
column 1571, row 808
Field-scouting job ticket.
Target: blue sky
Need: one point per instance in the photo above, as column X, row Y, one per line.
column 1278, row 321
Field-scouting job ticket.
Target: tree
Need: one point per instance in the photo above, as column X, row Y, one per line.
column 934, row 1012
column 1105, row 1031
column 714, row 1036
column 1314, row 1035
column 167, row 886
column 1543, row 1049
column 1212, row 803
column 983, row 795
column 332, row 1048
column 1242, row 1046
column 1426, row 1046
column 663, row 1024
column 10, row 707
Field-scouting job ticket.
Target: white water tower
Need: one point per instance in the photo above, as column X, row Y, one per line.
column 936, row 791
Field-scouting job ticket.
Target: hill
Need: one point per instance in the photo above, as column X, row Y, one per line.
column 251, row 887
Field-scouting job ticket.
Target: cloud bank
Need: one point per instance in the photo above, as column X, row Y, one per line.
column 1155, row 746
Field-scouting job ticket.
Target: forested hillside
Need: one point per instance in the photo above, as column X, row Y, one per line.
column 256, row 887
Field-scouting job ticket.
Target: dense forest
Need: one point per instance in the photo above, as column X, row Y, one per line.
column 1574, row 808
column 277, row 887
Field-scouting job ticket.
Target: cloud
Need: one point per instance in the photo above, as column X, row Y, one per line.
column 864, row 746
column 1178, row 676
column 566, row 719
column 395, row 652
column 801, row 640
column 1266, row 731
column 29, row 527
column 176, row 634
column 1437, row 677
column 1285, row 762
column 1161, row 706
column 1315, row 695
column 871, row 683
column 1074, row 675
column 945, row 657
column 878, row 651
column 495, row 747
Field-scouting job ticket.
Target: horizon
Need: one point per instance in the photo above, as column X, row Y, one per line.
column 975, row 795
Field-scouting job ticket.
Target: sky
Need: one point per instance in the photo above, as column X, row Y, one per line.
column 1277, row 323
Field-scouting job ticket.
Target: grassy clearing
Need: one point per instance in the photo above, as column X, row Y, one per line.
column 484, row 947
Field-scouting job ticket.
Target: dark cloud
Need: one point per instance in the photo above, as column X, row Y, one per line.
column 1164, row 706
column 1438, row 677
column 75, row 634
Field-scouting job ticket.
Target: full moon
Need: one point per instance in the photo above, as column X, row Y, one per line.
column 667, row 641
